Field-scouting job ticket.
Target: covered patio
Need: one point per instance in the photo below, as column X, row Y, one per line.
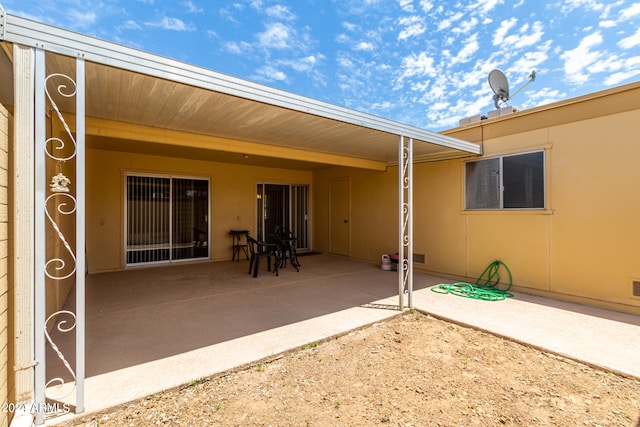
column 100, row 113
column 151, row 329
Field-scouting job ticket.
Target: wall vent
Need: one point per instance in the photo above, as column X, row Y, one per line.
column 421, row 259
column 635, row 284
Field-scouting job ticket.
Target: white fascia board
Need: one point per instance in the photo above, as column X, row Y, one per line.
column 35, row 34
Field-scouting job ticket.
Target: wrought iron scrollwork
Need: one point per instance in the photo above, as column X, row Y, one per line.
column 60, row 203
column 62, row 326
column 54, row 267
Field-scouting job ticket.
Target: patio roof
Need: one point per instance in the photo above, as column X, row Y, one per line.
column 140, row 102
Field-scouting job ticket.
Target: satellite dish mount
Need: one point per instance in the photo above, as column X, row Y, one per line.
column 500, row 86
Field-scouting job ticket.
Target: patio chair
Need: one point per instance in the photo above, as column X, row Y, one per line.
column 259, row 250
column 287, row 244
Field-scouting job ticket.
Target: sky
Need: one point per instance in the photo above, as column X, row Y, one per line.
column 420, row 62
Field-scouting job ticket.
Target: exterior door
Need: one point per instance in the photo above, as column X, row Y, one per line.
column 283, row 206
column 167, row 219
column 340, row 216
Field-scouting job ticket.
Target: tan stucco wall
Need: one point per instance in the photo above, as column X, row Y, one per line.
column 583, row 247
column 374, row 198
column 6, row 288
column 233, row 199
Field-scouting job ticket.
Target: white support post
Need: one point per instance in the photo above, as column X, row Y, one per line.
column 40, row 243
column 409, row 187
column 22, row 219
column 80, row 233
column 405, row 214
column 401, row 223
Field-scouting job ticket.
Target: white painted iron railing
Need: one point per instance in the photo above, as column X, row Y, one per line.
column 405, row 215
column 56, row 203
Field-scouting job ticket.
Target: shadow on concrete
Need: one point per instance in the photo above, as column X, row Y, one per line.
column 616, row 316
column 141, row 315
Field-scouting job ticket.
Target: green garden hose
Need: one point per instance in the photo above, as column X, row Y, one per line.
column 485, row 288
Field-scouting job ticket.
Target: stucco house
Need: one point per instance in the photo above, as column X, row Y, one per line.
column 114, row 159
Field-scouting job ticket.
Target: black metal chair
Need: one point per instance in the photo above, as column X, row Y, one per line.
column 259, row 250
column 287, row 245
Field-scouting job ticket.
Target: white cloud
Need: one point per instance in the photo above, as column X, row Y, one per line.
column 130, row 25
column 82, row 19
column 570, row 5
column 630, row 12
column 543, row 96
column 618, row 78
column 528, row 35
column 466, row 26
column 277, row 36
column 364, row 46
column 173, row 24
column 413, row 26
column 531, row 60
column 305, row 64
column 502, row 31
column 349, row 26
column 192, row 8
column 488, row 5
column 608, row 23
column 470, row 47
column 280, row 12
column 446, row 23
column 426, row 5
column 406, row 5
column 631, row 41
column 238, row 48
column 415, row 66
column 269, row 73
column 577, row 60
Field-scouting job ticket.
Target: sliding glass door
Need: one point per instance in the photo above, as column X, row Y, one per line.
column 283, row 206
column 167, row 219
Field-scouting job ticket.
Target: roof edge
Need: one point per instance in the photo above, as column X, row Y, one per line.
column 65, row 42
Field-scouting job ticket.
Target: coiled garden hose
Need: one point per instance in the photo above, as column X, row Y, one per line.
column 485, row 288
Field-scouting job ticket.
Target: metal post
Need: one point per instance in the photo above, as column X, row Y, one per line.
column 80, row 233
column 410, row 222
column 40, row 241
column 405, row 213
column 401, row 206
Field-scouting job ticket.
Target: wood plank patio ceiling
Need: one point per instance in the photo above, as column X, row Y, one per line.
column 119, row 95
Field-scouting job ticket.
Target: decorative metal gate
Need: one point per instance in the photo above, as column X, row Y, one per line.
column 59, row 235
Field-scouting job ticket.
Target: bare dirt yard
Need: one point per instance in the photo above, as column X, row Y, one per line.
column 412, row 370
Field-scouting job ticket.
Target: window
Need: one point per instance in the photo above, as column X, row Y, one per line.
column 167, row 219
column 283, row 205
column 508, row 182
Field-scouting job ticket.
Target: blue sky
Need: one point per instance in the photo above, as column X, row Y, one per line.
column 421, row 62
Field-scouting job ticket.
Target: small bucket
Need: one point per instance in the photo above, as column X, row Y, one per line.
column 386, row 263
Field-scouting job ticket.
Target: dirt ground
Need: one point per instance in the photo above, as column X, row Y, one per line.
column 412, row 370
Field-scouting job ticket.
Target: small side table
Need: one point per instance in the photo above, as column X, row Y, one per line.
column 238, row 246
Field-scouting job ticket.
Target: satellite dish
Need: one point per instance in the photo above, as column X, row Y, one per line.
column 500, row 86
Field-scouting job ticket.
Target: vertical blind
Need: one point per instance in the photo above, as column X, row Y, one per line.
column 167, row 219
column 283, row 206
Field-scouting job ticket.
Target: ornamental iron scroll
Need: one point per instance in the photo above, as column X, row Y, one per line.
column 405, row 218
column 57, row 384
column 405, row 226
column 57, row 205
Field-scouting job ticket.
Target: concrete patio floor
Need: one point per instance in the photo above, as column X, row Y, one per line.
column 149, row 330
column 153, row 329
